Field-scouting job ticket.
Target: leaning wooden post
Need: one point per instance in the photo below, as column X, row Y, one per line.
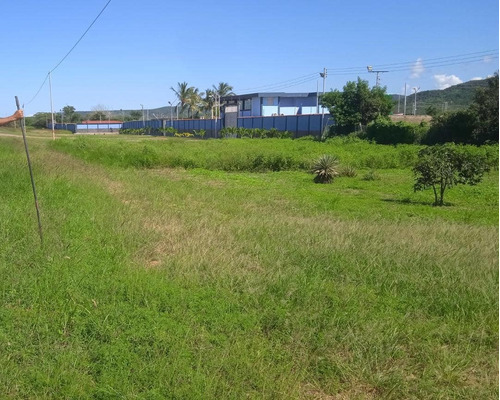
column 23, row 129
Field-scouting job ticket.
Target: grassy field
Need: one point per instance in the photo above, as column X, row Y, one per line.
column 199, row 283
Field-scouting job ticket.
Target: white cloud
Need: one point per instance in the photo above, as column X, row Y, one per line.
column 445, row 81
column 477, row 78
column 487, row 59
column 417, row 69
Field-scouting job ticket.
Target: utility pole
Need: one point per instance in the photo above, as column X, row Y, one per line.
column 217, row 111
column 171, row 115
column 416, row 89
column 377, row 81
column 323, row 74
column 404, row 108
column 51, row 108
column 143, row 123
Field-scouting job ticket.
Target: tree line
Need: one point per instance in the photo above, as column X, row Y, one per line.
column 191, row 103
column 365, row 112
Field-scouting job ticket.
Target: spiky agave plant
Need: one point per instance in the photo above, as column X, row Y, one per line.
column 325, row 168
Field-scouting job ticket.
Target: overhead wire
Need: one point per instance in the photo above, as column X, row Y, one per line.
column 69, row 52
column 430, row 63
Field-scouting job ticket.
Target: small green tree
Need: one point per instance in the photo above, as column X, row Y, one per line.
column 356, row 105
column 443, row 166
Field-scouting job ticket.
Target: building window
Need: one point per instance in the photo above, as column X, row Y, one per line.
column 246, row 105
column 270, row 101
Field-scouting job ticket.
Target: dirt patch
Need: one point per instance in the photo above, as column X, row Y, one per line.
column 415, row 119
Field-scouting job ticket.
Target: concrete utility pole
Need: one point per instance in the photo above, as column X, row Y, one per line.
column 51, row 108
column 377, row 81
column 323, row 74
column 171, row 114
column 143, row 123
column 404, row 108
column 416, row 89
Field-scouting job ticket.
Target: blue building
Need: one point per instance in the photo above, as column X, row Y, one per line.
column 272, row 104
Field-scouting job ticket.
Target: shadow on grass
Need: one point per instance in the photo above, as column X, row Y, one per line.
column 413, row 202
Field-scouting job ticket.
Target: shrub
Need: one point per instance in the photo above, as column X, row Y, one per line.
column 442, row 167
column 454, row 127
column 371, row 175
column 384, row 131
column 200, row 133
column 325, row 169
column 348, row 171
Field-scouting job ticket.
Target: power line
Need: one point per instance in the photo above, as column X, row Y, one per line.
column 81, row 37
column 69, row 52
column 429, row 63
column 286, row 83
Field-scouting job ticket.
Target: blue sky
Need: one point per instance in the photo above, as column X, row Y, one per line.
column 136, row 51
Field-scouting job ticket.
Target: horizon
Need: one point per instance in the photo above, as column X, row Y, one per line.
column 130, row 56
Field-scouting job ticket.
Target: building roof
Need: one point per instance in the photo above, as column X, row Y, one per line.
column 101, row 122
column 268, row 94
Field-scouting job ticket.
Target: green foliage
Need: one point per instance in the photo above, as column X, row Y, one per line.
column 357, row 105
column 477, row 124
column 325, row 168
column 273, row 133
column 442, row 167
column 454, row 127
column 352, row 290
column 200, row 133
column 39, row 120
column 348, row 171
column 434, row 102
column 384, row 131
column 134, row 115
column 170, row 131
column 371, row 175
column 485, row 108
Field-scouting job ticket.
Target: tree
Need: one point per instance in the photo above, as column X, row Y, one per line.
column 453, row 127
column 356, row 105
column 223, row 89
column 100, row 113
column 443, row 166
column 194, row 100
column 39, row 120
column 134, row 115
column 485, row 108
column 183, row 93
column 70, row 115
column 209, row 102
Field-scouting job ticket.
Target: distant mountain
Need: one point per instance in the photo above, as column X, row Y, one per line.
column 454, row 98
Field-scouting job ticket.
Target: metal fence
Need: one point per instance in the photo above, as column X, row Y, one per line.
column 298, row 125
column 211, row 126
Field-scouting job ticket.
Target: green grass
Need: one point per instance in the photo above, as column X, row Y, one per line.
column 198, row 283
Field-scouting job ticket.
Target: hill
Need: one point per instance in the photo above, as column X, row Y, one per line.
column 454, row 98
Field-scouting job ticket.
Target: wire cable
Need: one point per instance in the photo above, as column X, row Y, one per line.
column 69, row 52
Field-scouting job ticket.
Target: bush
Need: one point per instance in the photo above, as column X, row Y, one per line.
column 384, row 131
column 454, row 127
column 348, row 171
column 371, row 175
column 256, row 133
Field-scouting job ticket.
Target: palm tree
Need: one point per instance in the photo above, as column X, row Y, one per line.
column 208, row 102
column 194, row 100
column 183, row 93
column 223, row 89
